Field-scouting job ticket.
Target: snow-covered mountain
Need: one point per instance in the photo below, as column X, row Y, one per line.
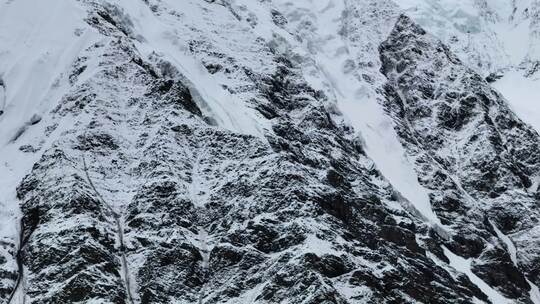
column 239, row 151
column 490, row 36
column 499, row 39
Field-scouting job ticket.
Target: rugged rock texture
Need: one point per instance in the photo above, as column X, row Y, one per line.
column 480, row 162
column 202, row 157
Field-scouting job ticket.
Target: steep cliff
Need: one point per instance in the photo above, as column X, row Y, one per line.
column 256, row 152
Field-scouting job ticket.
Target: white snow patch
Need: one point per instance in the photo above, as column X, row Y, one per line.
column 464, row 266
column 202, row 238
column 523, row 94
column 507, row 241
column 535, row 184
column 354, row 294
column 317, row 246
column 534, row 293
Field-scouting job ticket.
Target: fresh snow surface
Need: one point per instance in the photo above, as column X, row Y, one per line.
column 516, row 40
column 464, row 266
column 41, row 47
column 383, row 146
column 523, row 94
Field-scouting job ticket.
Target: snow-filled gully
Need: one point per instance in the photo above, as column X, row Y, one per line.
column 205, row 253
column 362, row 111
column 534, row 292
column 202, row 237
column 119, row 230
column 20, row 265
column 458, row 263
column 464, row 266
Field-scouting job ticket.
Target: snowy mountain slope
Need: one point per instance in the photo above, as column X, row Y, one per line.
column 489, row 36
column 327, row 40
column 481, row 152
column 257, row 152
column 497, row 38
column 164, row 260
column 36, row 49
column 384, row 160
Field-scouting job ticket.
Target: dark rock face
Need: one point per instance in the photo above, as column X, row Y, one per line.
column 81, row 248
column 145, row 198
column 471, row 151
